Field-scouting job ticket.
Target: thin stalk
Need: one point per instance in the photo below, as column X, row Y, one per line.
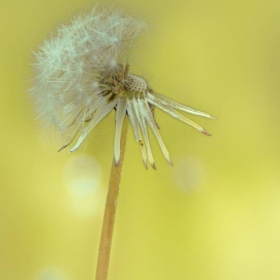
column 105, row 244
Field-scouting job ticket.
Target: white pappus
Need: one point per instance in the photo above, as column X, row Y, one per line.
column 82, row 73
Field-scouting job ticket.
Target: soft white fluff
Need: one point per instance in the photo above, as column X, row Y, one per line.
column 69, row 64
column 82, row 74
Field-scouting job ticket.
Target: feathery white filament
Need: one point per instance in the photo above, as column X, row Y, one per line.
column 69, row 65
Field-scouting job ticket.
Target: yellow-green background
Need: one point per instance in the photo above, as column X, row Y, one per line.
column 214, row 215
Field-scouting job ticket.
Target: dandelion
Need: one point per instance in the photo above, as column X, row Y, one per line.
column 83, row 74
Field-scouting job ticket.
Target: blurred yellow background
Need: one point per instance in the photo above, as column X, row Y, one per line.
column 214, row 215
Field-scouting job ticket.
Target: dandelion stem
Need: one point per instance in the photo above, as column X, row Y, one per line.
column 105, row 244
column 126, row 71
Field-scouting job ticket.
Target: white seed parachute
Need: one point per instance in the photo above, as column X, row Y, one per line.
column 82, row 74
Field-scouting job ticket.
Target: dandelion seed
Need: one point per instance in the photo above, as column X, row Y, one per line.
column 83, row 74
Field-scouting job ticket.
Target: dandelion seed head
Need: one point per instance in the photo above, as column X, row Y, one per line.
column 82, row 74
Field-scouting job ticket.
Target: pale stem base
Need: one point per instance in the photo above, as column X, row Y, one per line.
column 110, row 212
